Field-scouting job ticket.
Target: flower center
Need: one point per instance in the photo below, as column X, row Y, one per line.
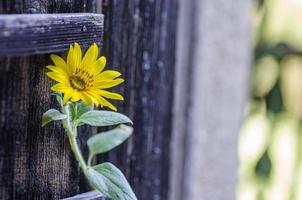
column 81, row 80
column 77, row 83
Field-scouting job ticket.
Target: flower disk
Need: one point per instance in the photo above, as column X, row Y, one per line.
column 83, row 78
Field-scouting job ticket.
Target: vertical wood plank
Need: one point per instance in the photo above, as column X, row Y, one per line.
column 35, row 162
column 213, row 46
column 140, row 42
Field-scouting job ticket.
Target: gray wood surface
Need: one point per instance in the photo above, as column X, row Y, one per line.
column 45, row 33
column 211, row 90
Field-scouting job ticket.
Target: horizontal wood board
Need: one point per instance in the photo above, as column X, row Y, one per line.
column 45, row 33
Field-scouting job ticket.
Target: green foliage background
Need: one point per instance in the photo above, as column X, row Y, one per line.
column 270, row 144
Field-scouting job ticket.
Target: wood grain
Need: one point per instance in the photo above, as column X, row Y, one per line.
column 35, row 163
column 92, row 195
column 139, row 41
column 46, row 33
column 210, row 97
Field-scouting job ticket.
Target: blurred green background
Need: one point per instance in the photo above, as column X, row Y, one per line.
column 270, row 143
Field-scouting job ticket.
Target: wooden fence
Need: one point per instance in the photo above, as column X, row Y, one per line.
column 185, row 65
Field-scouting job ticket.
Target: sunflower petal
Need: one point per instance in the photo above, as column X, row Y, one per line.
column 108, row 83
column 94, row 101
column 67, row 95
column 61, row 78
column 96, row 98
column 70, row 60
column 59, row 87
column 58, row 61
column 107, row 75
column 111, row 95
column 75, row 96
column 57, row 69
column 86, row 98
column 90, row 56
column 108, row 104
column 77, row 54
column 99, row 65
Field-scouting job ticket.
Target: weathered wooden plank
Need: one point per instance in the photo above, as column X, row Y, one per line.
column 45, row 33
column 35, row 163
column 92, row 195
column 139, row 41
column 211, row 89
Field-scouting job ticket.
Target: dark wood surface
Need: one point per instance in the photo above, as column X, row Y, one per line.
column 139, row 41
column 35, row 162
column 92, row 195
column 44, row 33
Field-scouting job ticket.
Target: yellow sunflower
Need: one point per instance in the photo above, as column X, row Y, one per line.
column 83, row 78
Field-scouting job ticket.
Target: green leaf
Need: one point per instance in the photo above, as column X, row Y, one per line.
column 264, row 167
column 103, row 118
column 109, row 180
column 79, row 109
column 59, row 97
column 52, row 115
column 106, row 141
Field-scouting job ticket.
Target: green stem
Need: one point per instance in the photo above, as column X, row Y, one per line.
column 90, row 159
column 77, row 152
column 72, row 134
